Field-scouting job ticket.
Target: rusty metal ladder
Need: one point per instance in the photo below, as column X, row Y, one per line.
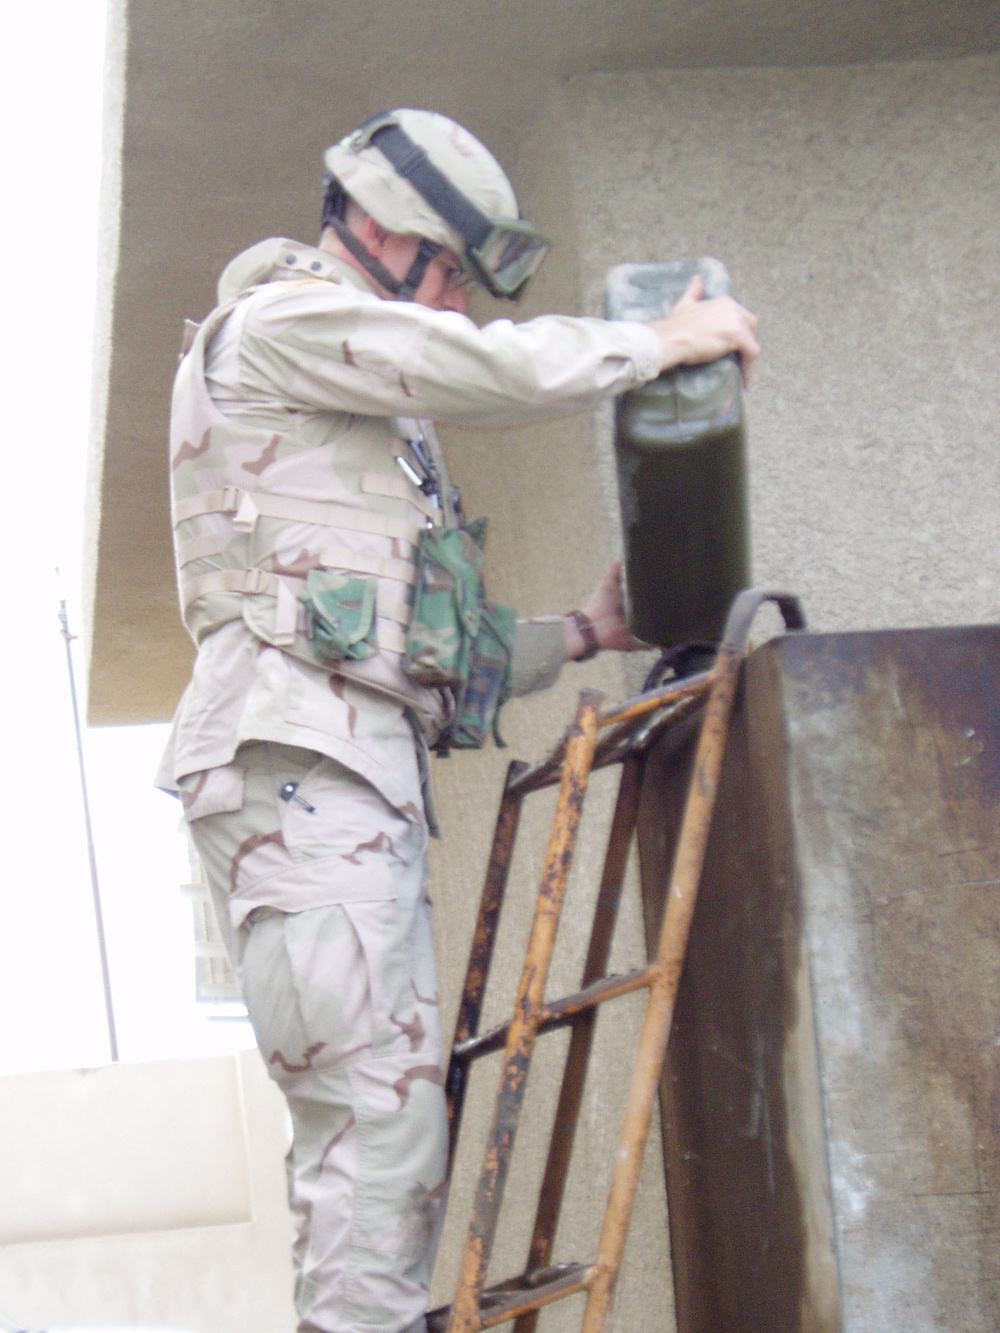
column 598, row 737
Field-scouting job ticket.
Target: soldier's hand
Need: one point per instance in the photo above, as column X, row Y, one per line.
column 605, row 608
column 699, row 330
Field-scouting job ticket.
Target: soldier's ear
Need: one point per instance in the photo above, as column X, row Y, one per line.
column 373, row 236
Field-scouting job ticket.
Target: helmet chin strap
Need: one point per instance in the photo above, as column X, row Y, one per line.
column 415, row 276
column 401, row 290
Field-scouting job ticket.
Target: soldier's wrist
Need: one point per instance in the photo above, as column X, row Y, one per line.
column 582, row 642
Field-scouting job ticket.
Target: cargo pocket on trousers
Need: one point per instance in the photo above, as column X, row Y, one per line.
column 204, row 797
column 214, row 791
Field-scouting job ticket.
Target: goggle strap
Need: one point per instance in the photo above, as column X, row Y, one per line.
column 411, row 162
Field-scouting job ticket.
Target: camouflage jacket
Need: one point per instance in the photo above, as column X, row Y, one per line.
column 284, row 433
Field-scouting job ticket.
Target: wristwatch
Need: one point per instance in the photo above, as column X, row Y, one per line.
column 585, row 626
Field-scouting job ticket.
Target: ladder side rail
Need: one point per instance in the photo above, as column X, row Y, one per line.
column 578, row 1053
column 682, row 895
column 465, row 1317
column 481, row 954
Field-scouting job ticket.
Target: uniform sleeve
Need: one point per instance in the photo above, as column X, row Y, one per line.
column 328, row 348
column 539, row 650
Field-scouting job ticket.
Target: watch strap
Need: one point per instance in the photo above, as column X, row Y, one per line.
column 587, row 632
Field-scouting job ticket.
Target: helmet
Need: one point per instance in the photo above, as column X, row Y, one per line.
column 419, row 173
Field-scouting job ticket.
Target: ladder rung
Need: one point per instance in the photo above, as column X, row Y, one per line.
column 559, row 1013
column 548, row 772
column 641, row 705
column 530, row 1291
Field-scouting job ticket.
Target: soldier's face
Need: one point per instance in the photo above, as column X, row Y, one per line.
column 446, row 284
column 442, row 286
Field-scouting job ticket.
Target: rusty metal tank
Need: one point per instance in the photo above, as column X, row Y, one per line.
column 680, row 447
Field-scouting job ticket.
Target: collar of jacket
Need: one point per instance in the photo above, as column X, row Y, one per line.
column 279, row 258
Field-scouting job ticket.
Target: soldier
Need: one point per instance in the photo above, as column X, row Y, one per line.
column 307, row 489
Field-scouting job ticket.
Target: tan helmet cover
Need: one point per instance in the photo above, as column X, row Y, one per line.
column 372, row 181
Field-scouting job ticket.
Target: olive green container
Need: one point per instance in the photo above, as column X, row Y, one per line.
column 680, row 448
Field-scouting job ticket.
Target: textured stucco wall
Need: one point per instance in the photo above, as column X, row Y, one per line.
column 856, row 208
column 218, row 112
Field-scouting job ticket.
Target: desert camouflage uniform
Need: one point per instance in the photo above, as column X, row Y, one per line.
column 343, row 1000
column 283, row 440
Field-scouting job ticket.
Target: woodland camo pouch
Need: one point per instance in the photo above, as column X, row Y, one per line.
column 340, row 610
column 457, row 639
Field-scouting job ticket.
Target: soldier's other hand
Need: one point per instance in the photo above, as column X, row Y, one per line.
column 699, row 330
column 605, row 608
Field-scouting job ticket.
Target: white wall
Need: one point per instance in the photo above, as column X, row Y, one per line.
column 146, row 1194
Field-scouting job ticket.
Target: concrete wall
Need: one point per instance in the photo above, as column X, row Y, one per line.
column 218, row 112
column 856, row 208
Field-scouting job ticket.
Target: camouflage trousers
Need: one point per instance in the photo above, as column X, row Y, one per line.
column 343, row 1002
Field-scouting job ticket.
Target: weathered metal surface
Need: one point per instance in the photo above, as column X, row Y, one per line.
column 738, row 1226
column 481, row 954
column 596, row 990
column 894, row 791
column 831, row 1092
column 465, row 1315
column 672, row 946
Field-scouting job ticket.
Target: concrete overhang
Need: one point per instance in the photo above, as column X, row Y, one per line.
column 218, row 112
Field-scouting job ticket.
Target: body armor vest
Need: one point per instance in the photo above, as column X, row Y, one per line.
column 254, row 511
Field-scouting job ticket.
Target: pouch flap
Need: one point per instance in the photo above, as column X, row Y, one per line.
column 342, row 611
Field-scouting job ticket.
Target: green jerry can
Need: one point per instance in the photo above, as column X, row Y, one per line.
column 680, row 449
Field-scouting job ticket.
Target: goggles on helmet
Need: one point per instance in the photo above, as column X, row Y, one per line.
column 501, row 253
column 508, row 256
